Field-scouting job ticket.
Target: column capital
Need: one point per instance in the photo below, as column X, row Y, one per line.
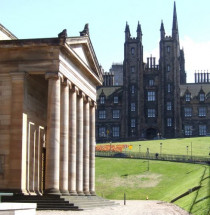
column 93, row 103
column 53, row 75
column 74, row 88
column 66, row 82
column 87, row 99
column 81, row 94
column 18, row 76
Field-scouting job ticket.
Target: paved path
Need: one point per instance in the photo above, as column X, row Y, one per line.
column 132, row 207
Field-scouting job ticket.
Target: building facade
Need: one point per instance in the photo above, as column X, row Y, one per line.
column 47, row 115
column 152, row 98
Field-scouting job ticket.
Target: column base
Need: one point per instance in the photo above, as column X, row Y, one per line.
column 52, row 191
column 87, row 193
column 92, row 193
column 65, row 193
column 73, row 193
column 80, row 193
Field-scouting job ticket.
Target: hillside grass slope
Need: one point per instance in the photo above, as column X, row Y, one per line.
column 155, row 180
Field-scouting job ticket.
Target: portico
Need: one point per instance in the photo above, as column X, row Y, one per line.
column 51, row 108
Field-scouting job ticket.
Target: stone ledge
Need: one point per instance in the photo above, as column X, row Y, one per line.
column 18, row 208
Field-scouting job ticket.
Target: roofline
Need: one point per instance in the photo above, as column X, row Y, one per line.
column 7, row 32
column 60, row 43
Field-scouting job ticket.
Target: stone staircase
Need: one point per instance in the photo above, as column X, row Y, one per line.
column 43, row 202
column 50, row 202
column 89, row 202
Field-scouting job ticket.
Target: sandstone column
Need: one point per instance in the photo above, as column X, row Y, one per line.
column 72, row 140
column 18, row 135
column 86, row 146
column 53, row 135
column 64, row 135
column 79, row 174
column 92, row 150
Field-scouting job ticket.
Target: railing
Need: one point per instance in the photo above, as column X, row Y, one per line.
column 154, row 156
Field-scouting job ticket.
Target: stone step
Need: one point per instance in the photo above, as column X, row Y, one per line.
column 65, row 202
column 43, row 202
column 60, row 209
column 89, row 202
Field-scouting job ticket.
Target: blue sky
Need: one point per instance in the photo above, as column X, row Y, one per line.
column 107, row 19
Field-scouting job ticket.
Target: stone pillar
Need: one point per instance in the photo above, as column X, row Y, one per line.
column 79, row 174
column 92, row 150
column 86, row 146
column 18, row 136
column 72, row 140
column 64, row 135
column 53, row 135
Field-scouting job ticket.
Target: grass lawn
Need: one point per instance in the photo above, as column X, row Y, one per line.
column 164, row 181
column 200, row 146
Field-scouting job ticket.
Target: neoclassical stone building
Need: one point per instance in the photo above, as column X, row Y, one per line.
column 47, row 114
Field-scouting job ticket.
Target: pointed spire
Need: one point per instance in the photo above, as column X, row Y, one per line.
column 162, row 26
column 139, row 32
column 175, row 24
column 162, row 30
column 127, row 31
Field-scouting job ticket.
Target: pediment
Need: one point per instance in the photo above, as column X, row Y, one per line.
column 82, row 47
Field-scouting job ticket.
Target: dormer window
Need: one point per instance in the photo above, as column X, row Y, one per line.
column 102, row 100
column 187, row 97
column 202, row 97
column 116, row 99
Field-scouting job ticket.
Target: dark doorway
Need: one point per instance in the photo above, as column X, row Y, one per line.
column 151, row 133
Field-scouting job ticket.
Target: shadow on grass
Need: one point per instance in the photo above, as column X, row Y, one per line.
column 196, row 200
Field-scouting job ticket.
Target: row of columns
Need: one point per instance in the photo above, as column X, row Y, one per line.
column 70, row 147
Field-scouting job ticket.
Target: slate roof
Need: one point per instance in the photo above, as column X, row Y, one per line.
column 109, row 91
column 194, row 89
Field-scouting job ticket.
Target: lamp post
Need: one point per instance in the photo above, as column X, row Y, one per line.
column 187, row 150
column 161, row 148
column 107, row 132
column 148, row 159
column 191, row 150
column 139, row 148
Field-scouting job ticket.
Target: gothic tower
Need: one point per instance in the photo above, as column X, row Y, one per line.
column 172, row 74
column 133, row 84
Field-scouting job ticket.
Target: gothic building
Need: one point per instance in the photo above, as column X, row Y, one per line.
column 154, row 100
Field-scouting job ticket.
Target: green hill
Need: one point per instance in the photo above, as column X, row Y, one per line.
column 156, row 180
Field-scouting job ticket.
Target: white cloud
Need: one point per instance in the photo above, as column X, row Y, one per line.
column 197, row 57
